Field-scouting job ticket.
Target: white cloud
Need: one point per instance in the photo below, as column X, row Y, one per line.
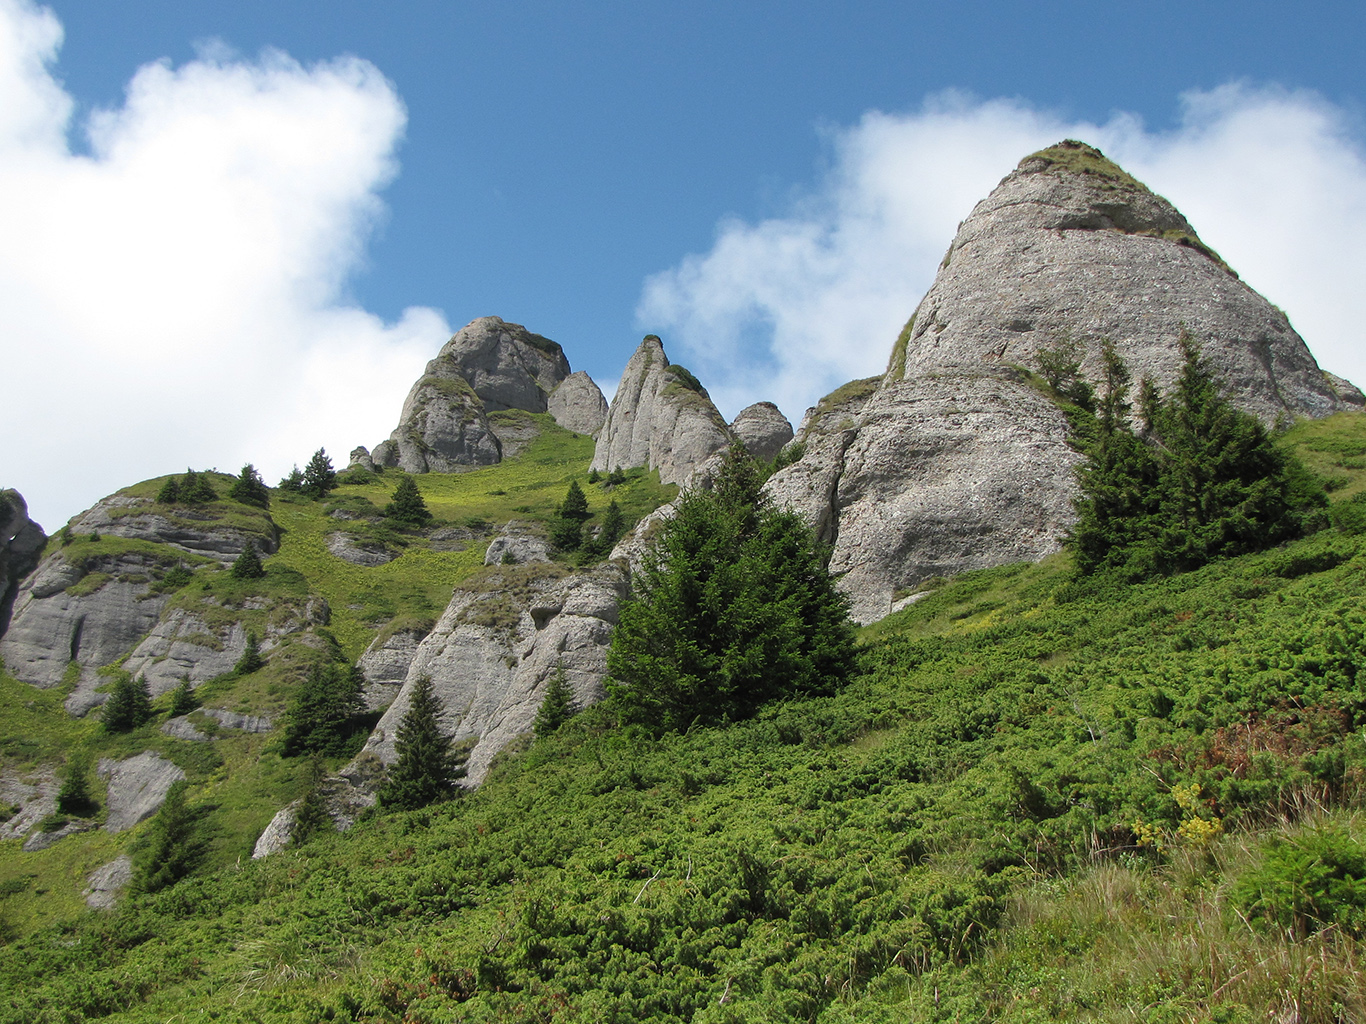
column 177, row 296
column 1274, row 180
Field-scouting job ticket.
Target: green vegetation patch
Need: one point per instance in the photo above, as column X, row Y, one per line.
column 1076, row 157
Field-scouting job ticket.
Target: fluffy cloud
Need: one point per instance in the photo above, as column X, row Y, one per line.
column 176, row 295
column 1274, row 180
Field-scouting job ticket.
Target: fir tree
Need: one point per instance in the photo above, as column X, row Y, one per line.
column 176, row 577
column 427, row 767
column 249, row 488
column 196, row 488
column 182, row 699
column 129, row 704
column 175, row 847
column 311, row 817
column 251, row 659
column 319, row 478
column 248, row 564
column 74, row 797
column 323, row 716
column 170, row 492
column 407, row 505
column 566, row 534
column 732, row 609
column 557, row 707
column 575, row 504
column 292, row 482
column 616, row 477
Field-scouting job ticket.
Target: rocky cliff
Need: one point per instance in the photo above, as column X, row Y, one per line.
column 955, row 460
column 661, row 418
column 21, row 545
column 487, row 366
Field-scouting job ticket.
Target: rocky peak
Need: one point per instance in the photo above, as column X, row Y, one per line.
column 21, row 545
column 661, row 417
column 577, row 404
column 507, row 366
column 762, row 429
column 1069, row 250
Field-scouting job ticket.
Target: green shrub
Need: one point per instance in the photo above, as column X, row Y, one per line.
column 1312, row 880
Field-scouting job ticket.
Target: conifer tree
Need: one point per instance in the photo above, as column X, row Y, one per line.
column 566, row 534
column 129, row 704
column 311, row 816
column 251, row 659
column 183, row 699
column 74, row 797
column 427, row 768
column 170, row 492
column 323, row 716
column 175, row 848
column 557, row 707
column 575, row 504
column 196, row 488
column 731, row 609
column 248, row 564
column 292, row 482
column 249, row 488
column 319, row 478
column 407, row 505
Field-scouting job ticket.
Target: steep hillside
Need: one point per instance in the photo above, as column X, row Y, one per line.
column 1042, row 799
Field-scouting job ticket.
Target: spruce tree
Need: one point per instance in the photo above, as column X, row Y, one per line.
column 248, row 564
column 613, row 526
column 175, row 847
column 566, row 534
column 427, row 768
column 557, row 707
column 251, row 659
column 129, row 704
column 323, row 715
column 249, row 488
column 292, row 482
column 575, row 504
column 196, row 488
column 731, row 609
column 183, row 699
column 74, row 797
column 319, row 478
column 407, row 505
column 170, row 492
column 311, row 817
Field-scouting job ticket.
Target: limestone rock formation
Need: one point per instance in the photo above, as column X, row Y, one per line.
column 385, row 664
column 360, row 457
column 21, row 545
column 488, row 365
column 183, row 646
column 89, row 612
column 220, row 530
column 577, row 404
column 518, row 543
column 762, row 429
column 137, row 787
column 953, row 461
column 105, row 883
column 34, row 793
column 494, row 650
column 1069, row 249
column 660, row 417
column 358, row 551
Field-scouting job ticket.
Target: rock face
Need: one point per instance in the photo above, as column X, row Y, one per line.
column 518, row 543
column 488, row 365
column 577, row 404
column 21, row 545
column 358, row 551
column 88, row 612
column 385, row 665
column 183, row 646
column 953, row 461
column 1070, row 249
column 104, row 884
column 197, row 530
column 762, row 429
column 660, row 417
column 496, row 647
column 137, row 787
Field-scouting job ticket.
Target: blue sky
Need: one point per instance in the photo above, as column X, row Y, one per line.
column 599, row 171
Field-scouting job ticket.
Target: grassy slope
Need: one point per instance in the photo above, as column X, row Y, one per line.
column 953, row 837
column 242, row 776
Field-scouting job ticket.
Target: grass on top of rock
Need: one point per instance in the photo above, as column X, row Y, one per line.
column 1079, row 158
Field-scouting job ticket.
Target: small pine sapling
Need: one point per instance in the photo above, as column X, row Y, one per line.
column 74, row 797
column 311, row 817
column 251, row 659
column 407, row 505
column 292, row 482
column 558, row 705
column 183, row 699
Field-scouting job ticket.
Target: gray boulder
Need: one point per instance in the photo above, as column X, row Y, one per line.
column 239, row 721
column 358, row 551
column 518, row 543
column 137, row 787
column 105, row 883
column 34, row 793
column 577, row 404
column 1069, row 249
column 360, row 458
column 496, row 647
column 762, row 429
column 660, row 418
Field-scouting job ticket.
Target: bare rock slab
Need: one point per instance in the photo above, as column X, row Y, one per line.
column 105, row 883
column 137, row 787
